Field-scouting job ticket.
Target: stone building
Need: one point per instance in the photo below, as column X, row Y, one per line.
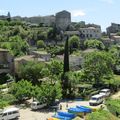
column 42, row 20
column 63, row 19
column 90, row 32
column 114, row 28
column 116, row 39
column 71, row 33
column 6, row 62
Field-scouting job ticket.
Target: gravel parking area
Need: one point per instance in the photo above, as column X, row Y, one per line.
column 43, row 114
column 27, row 114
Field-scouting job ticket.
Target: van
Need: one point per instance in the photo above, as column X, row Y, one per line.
column 37, row 105
column 8, row 114
column 96, row 99
column 105, row 92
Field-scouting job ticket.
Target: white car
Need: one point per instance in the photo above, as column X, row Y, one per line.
column 10, row 113
column 96, row 99
column 105, row 92
column 37, row 105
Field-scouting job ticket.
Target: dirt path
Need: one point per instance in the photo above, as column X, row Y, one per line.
column 116, row 95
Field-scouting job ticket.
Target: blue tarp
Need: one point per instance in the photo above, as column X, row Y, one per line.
column 79, row 109
column 86, row 109
column 75, row 110
column 64, row 116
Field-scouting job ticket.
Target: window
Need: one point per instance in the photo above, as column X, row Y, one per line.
column 15, row 112
column 38, row 103
column 4, row 114
column 9, row 113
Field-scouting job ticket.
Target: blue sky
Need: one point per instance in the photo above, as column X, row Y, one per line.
column 101, row 12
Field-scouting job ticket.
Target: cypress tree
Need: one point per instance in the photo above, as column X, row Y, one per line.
column 9, row 17
column 66, row 57
column 66, row 69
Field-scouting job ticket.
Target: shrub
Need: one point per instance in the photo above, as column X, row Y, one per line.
column 6, row 99
column 101, row 115
column 113, row 106
column 40, row 44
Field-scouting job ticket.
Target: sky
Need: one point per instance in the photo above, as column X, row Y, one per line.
column 101, row 12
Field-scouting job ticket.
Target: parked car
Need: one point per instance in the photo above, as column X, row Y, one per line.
column 96, row 99
column 8, row 114
column 105, row 92
column 37, row 105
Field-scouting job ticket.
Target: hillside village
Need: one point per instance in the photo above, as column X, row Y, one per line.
column 50, row 58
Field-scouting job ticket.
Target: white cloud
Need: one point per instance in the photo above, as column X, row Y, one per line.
column 76, row 13
column 108, row 1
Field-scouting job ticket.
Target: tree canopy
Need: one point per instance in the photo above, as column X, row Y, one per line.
column 94, row 44
column 98, row 65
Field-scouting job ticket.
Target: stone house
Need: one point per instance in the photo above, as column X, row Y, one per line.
column 71, row 33
column 116, row 39
column 6, row 61
column 90, row 32
column 114, row 28
column 41, row 55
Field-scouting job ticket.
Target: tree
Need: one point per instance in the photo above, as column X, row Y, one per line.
column 115, row 52
column 47, row 93
column 40, row 44
column 9, row 17
column 98, row 65
column 56, row 67
column 94, row 44
column 73, row 80
column 32, row 71
column 16, row 45
column 66, row 57
column 65, row 69
column 21, row 89
column 74, row 43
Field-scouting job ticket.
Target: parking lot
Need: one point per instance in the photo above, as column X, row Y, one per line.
column 27, row 114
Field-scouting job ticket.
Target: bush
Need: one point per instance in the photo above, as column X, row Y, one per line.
column 101, row 115
column 56, row 50
column 6, row 99
column 40, row 44
column 114, row 106
column 21, row 90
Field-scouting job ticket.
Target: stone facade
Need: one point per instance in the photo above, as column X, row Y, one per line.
column 6, row 62
column 71, row 33
column 114, row 28
column 90, row 32
column 43, row 20
column 63, row 19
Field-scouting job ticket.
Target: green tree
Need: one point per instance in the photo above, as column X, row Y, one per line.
column 56, row 67
column 66, row 57
column 115, row 52
column 73, row 81
column 98, row 65
column 40, row 44
column 16, row 45
column 9, row 17
column 74, row 43
column 32, row 71
column 94, row 44
column 21, row 89
column 47, row 93
column 65, row 69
